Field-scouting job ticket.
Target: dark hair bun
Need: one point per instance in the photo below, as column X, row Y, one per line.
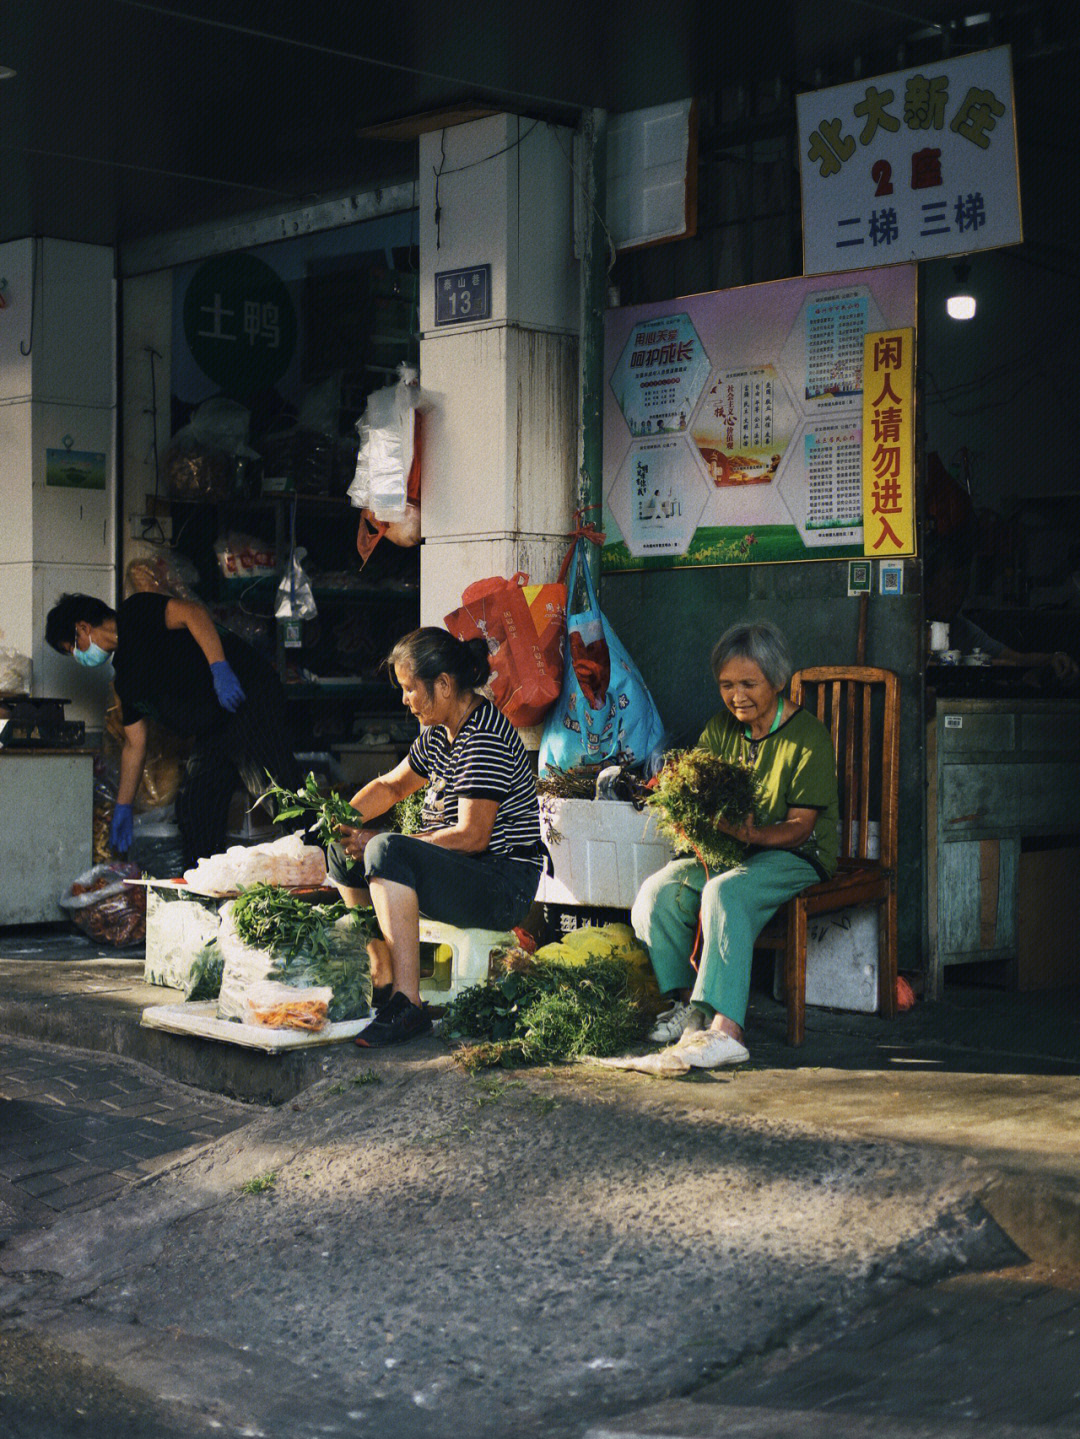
column 478, row 654
column 430, row 652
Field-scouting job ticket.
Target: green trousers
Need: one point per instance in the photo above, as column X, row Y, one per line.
column 734, row 908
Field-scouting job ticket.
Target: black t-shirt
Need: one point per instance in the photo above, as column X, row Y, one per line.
column 162, row 674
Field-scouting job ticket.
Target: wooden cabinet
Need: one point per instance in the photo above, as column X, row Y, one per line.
column 999, row 772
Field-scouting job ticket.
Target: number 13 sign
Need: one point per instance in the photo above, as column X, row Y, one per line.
column 463, row 295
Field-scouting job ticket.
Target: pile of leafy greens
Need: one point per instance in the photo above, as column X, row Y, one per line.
column 539, row 1011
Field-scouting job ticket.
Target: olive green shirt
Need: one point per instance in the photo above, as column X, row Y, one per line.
column 797, row 769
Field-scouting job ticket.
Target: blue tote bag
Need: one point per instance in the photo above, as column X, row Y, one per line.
column 604, row 714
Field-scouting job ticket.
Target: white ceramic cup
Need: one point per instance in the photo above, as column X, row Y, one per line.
column 939, row 636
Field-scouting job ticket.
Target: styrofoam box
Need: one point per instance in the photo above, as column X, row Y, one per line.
column 601, row 851
column 180, row 925
column 841, row 961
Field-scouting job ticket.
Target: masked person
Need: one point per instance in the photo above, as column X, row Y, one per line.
column 171, row 664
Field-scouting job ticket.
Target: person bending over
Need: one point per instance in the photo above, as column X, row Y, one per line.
column 171, row 664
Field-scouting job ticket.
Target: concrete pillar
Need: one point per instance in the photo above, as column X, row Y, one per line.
column 57, row 449
column 501, row 445
column 146, row 379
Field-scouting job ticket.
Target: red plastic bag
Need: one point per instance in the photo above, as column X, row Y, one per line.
column 525, row 629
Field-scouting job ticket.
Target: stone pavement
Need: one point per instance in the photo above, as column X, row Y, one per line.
column 78, row 1128
column 979, row 1094
column 981, row 1356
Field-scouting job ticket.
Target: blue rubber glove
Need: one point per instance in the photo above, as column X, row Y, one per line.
column 122, row 828
column 227, row 686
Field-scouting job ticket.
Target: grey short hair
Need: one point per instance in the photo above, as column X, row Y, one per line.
column 760, row 641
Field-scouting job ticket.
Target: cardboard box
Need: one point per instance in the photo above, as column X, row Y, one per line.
column 841, row 961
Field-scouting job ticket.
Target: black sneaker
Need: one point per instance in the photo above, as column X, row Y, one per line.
column 396, row 1022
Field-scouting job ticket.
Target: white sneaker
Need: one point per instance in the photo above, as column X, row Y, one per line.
column 709, row 1049
column 672, row 1022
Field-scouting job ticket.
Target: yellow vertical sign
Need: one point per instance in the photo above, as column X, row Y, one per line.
column 888, row 465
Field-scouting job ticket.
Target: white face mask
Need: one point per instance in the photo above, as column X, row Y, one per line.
column 92, row 656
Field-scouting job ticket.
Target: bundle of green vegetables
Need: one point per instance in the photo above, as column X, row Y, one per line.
column 538, row 1011
column 329, row 809
column 405, row 815
column 309, row 945
column 693, row 788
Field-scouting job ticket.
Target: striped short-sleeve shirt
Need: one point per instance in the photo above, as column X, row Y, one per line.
column 485, row 761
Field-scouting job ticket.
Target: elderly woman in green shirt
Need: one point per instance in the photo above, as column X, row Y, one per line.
column 791, row 844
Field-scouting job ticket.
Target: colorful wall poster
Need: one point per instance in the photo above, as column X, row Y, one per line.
column 910, row 166
column 75, row 469
column 733, row 421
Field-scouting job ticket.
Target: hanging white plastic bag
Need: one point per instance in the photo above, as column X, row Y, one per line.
column 295, row 600
column 387, row 433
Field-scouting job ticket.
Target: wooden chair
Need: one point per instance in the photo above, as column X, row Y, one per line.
column 842, row 698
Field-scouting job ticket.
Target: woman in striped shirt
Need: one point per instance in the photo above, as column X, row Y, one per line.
column 476, row 860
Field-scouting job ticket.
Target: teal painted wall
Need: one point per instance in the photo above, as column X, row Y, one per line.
column 670, row 619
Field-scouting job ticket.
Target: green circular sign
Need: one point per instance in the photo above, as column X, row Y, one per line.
column 240, row 324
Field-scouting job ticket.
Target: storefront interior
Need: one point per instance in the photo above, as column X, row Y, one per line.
column 238, row 129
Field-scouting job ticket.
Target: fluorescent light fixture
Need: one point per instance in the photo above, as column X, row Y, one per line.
column 961, row 302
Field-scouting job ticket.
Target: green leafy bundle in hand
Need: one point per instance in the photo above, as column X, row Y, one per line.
column 406, row 814
column 694, row 787
column 328, row 810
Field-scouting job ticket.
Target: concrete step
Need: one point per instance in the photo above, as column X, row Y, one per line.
column 96, row 1004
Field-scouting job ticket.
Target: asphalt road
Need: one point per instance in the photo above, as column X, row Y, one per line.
column 405, row 1250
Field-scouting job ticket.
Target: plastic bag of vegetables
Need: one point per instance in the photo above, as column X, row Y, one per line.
column 269, row 934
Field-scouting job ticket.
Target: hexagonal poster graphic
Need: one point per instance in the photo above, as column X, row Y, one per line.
column 658, row 497
column 822, row 357
column 660, row 375
column 822, row 487
column 743, row 426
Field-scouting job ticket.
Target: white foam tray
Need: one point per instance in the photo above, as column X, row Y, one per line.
column 199, row 1017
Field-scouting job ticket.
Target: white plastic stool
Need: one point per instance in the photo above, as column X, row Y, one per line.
column 468, row 962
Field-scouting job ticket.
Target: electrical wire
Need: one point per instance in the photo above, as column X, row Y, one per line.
column 485, row 158
column 148, row 533
column 25, row 347
column 612, row 253
column 148, row 170
column 334, row 52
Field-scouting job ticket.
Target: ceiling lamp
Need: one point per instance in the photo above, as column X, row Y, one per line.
column 6, row 72
column 961, row 302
